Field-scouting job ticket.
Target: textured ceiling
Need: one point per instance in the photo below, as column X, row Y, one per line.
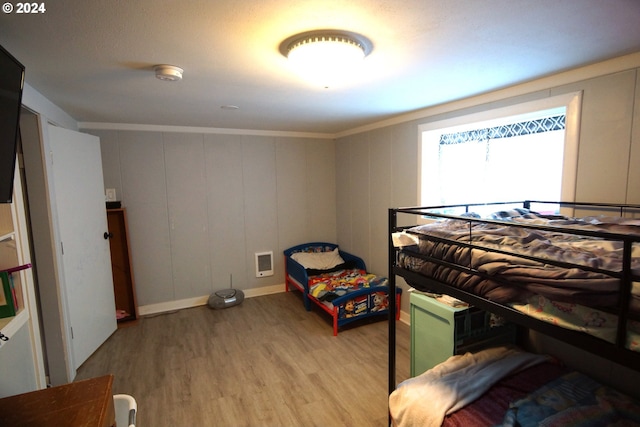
column 94, row 59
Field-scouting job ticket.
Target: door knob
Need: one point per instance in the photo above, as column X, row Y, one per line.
column 107, row 235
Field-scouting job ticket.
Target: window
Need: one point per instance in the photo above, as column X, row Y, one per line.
column 528, row 151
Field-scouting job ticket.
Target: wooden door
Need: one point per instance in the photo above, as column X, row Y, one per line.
column 82, row 222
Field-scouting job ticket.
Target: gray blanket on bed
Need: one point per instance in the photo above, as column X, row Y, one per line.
column 511, row 278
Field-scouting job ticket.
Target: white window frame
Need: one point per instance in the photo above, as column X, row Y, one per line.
column 571, row 104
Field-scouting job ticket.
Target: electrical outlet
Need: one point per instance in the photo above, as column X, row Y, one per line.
column 111, row 194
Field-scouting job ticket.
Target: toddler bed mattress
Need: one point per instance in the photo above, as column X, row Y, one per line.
column 337, row 282
column 354, row 291
column 329, row 286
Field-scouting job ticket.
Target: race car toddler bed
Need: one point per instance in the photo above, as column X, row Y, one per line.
column 337, row 282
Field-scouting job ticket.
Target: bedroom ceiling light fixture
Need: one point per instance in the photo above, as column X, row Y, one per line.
column 169, row 73
column 326, row 56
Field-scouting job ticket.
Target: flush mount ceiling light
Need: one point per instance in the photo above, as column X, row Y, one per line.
column 326, row 56
column 169, row 73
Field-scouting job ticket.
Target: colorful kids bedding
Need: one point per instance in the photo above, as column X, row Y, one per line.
column 337, row 282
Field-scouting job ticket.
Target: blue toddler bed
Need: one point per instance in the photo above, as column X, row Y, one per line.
column 337, row 282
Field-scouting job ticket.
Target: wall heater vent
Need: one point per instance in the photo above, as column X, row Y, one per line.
column 264, row 264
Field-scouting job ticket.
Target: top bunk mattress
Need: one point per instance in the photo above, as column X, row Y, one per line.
column 506, row 261
column 570, row 272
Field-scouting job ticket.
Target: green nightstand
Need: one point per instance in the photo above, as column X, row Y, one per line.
column 439, row 331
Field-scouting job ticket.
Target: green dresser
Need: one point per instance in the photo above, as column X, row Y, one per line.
column 439, row 331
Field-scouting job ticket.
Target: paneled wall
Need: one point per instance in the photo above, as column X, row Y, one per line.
column 378, row 169
column 200, row 205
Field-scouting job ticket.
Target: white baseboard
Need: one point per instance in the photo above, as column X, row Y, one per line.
column 405, row 317
column 164, row 307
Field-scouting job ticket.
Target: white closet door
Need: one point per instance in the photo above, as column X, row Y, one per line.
column 82, row 222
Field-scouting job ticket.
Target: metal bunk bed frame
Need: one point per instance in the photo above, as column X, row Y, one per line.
column 615, row 352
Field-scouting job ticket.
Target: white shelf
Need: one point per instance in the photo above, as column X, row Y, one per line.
column 24, row 369
column 10, row 325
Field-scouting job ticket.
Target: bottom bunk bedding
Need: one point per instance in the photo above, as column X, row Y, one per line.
column 573, row 399
column 491, row 407
column 508, row 387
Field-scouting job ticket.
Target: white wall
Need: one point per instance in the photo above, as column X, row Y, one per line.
column 44, row 230
column 378, row 169
column 200, row 205
column 173, row 184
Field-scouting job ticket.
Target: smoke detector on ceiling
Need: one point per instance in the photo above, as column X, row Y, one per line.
column 169, row 73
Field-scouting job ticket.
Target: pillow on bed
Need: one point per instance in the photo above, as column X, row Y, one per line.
column 513, row 213
column 347, row 265
column 318, row 260
column 471, row 215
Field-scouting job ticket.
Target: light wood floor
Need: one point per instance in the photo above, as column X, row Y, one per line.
column 266, row 362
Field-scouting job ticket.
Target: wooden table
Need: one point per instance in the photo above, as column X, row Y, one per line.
column 87, row 403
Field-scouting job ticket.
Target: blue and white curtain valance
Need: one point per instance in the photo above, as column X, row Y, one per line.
column 528, row 127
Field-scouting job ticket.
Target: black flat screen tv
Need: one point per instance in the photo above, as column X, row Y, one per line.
column 11, row 85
